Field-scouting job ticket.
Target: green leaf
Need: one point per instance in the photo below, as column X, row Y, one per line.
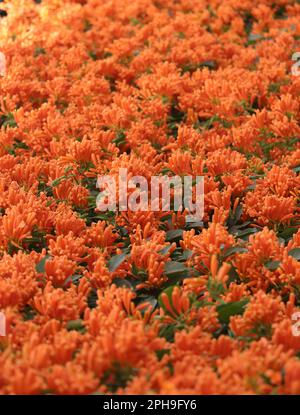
column 73, row 279
column 92, row 54
column 168, row 331
column 161, row 353
column 227, row 310
column 186, row 254
column 120, row 138
column 175, row 270
column 28, row 313
column 295, row 253
column 40, row 266
column 233, row 275
column 274, row 87
column 243, row 234
column 181, row 256
column 234, row 250
column 215, row 288
column 235, row 216
column 76, row 325
column 8, row 120
column 140, row 274
column 174, row 234
column 21, row 145
column 87, row 25
column 253, row 37
column 39, row 51
column 57, row 181
column 272, row 265
column 165, row 250
column 210, row 64
column 287, row 233
column 116, row 260
column 92, row 299
column 194, row 225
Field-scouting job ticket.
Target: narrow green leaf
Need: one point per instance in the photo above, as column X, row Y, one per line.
column 234, row 250
column 210, row 64
column 92, row 299
column 227, row 310
column 161, row 353
column 73, row 279
column 245, row 233
column 75, row 325
column 295, row 253
column 40, row 266
column 272, row 265
column 174, row 234
column 287, row 233
column 115, row 261
column 296, row 169
column 165, row 250
column 175, row 268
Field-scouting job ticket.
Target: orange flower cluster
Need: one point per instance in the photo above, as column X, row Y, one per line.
column 142, row 302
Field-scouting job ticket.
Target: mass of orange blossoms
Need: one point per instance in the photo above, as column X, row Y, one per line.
column 143, row 302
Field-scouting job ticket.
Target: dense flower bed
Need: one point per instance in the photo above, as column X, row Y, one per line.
column 190, row 87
